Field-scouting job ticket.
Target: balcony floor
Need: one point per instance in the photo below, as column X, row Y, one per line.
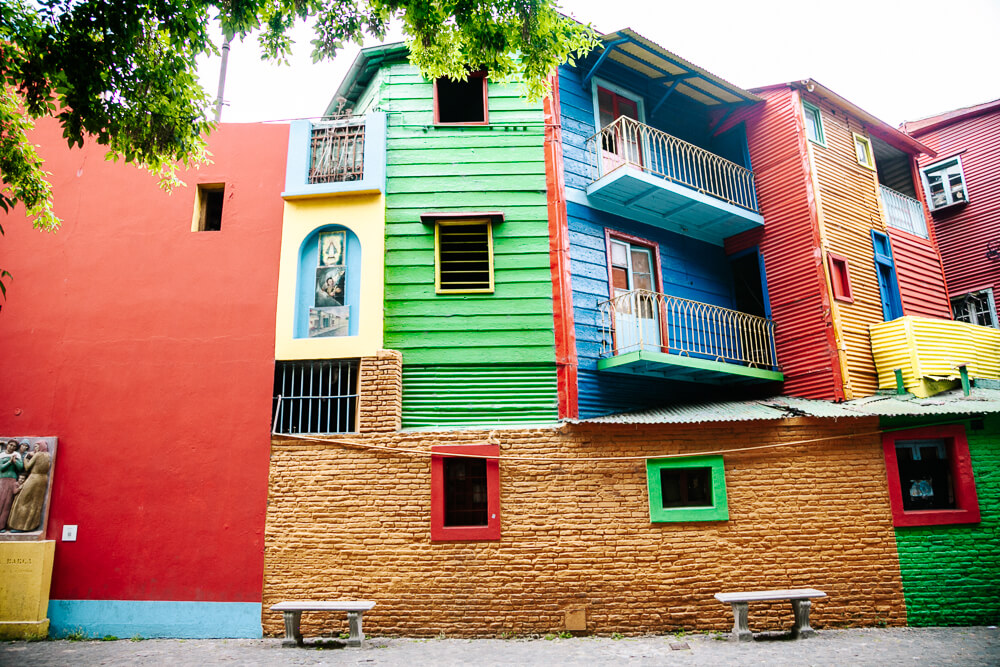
column 686, row 369
column 630, row 192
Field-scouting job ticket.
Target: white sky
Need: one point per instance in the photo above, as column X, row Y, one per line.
column 883, row 55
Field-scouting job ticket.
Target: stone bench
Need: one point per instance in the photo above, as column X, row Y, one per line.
column 293, row 614
column 799, row 597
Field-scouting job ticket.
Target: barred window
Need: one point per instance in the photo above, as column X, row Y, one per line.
column 337, row 152
column 315, row 396
column 464, row 256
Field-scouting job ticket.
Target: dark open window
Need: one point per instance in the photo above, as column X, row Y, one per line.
column 925, row 474
column 461, row 102
column 210, row 199
column 687, row 487
column 465, row 492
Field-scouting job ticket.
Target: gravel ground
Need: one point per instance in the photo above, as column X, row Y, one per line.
column 895, row 646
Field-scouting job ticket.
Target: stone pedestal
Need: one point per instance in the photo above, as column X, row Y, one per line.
column 25, row 577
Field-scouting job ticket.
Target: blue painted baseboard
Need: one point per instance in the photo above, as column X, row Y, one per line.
column 150, row 618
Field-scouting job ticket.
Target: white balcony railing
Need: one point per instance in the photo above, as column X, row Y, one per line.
column 644, row 320
column 629, row 142
column 337, row 151
column 903, row 212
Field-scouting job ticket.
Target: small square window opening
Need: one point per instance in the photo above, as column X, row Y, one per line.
column 208, row 205
column 465, row 492
column 461, row 102
column 687, row 489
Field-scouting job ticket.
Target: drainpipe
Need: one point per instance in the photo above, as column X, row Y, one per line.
column 222, row 80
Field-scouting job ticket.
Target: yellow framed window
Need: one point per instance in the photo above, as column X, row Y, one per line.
column 863, row 149
column 463, row 253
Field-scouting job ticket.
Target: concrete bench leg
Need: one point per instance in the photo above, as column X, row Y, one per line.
column 741, row 624
column 293, row 637
column 357, row 635
column 801, row 610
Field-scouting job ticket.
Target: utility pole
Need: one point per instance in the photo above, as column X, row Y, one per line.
column 222, row 80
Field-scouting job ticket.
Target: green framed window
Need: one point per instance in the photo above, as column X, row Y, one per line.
column 814, row 123
column 692, row 488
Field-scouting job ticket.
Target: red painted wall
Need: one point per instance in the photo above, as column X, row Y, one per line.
column 148, row 350
column 796, row 284
column 963, row 232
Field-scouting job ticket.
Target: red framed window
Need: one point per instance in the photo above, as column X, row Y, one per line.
column 930, row 476
column 465, row 493
column 840, row 277
column 461, row 102
column 634, row 284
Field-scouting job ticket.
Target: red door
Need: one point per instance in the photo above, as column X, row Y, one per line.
column 621, row 143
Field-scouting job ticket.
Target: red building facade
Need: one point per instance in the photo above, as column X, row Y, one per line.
column 141, row 334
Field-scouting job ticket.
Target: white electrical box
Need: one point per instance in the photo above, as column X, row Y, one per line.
column 69, row 534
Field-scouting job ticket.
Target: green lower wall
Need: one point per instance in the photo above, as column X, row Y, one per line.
column 951, row 574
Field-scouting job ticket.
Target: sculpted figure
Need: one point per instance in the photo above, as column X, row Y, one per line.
column 26, row 514
column 10, row 467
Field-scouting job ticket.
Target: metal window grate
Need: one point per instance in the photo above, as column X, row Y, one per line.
column 464, row 256
column 315, row 396
column 338, row 152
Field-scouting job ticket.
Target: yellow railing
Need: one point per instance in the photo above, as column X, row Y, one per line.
column 629, row 142
column 929, row 351
column 644, row 320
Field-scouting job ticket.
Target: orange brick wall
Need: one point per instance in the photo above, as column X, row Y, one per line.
column 346, row 522
column 380, row 392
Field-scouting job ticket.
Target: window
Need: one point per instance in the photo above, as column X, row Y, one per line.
column 863, row 150
column 465, row 493
column 464, row 255
column 687, row 489
column 337, row 151
column 814, row 123
column 315, row 396
column 461, row 102
column 944, row 184
column 620, row 141
column 885, row 272
column 840, row 277
column 976, row 308
column 930, row 476
column 208, row 207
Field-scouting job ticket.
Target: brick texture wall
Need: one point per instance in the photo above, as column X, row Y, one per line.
column 951, row 574
column 380, row 392
column 351, row 522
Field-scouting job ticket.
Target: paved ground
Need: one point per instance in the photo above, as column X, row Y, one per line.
column 898, row 646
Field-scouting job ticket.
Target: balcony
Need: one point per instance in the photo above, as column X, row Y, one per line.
column 902, row 212
column 336, row 156
column 931, row 354
column 650, row 176
column 652, row 334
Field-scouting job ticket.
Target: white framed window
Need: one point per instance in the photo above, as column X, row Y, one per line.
column 976, row 308
column 944, row 183
column 863, row 150
column 814, row 123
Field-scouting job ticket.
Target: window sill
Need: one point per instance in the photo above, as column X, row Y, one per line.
column 914, row 518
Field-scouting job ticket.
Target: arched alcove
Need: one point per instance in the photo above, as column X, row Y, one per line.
column 328, row 290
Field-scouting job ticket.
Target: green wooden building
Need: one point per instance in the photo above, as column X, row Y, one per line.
column 468, row 292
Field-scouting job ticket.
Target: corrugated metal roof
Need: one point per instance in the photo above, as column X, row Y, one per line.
column 982, row 400
column 634, row 51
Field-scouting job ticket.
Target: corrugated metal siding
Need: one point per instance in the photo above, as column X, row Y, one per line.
column 932, row 348
column 921, row 282
column 478, row 395
column 849, row 210
column 788, row 243
column 963, row 233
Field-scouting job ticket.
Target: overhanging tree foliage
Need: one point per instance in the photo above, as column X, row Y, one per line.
column 123, row 72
